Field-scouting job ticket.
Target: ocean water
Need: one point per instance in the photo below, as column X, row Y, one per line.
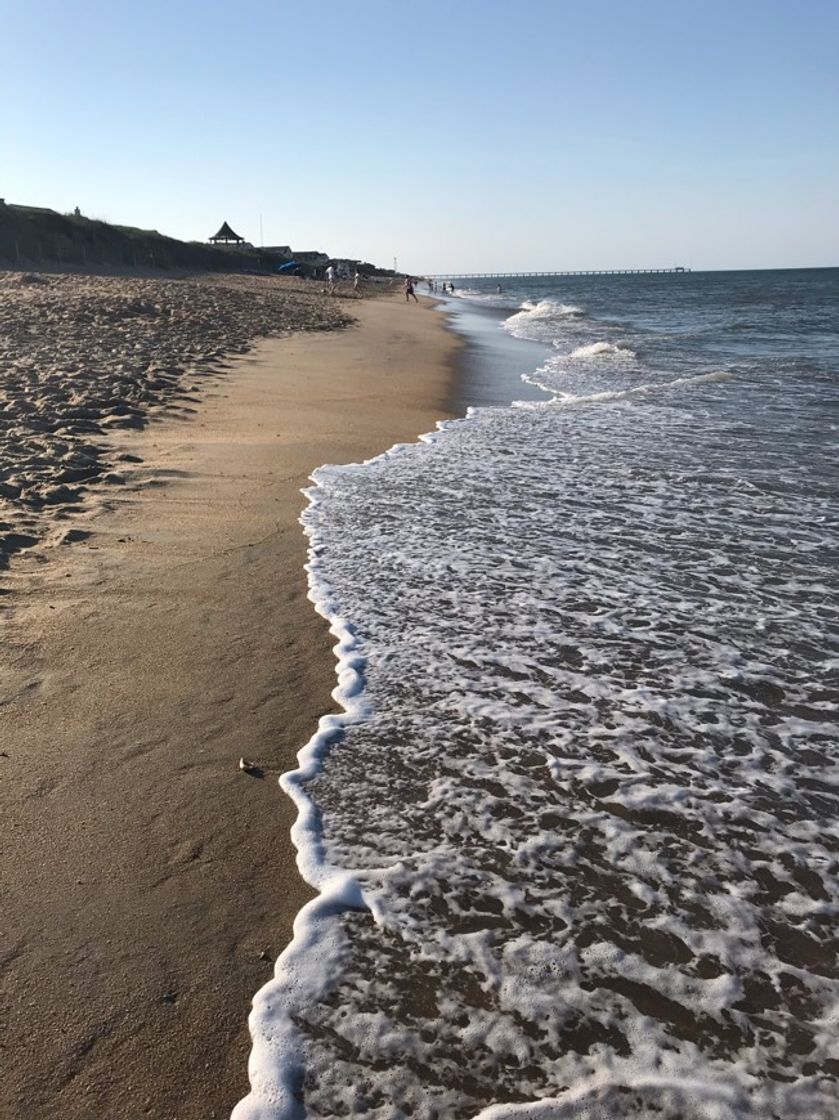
column 576, row 833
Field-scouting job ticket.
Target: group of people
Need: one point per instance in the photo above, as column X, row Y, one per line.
column 408, row 285
column 410, row 282
column 332, row 280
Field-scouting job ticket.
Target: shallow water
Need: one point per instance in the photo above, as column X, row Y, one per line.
column 577, row 833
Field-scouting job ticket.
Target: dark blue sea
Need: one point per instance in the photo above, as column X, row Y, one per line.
column 577, row 833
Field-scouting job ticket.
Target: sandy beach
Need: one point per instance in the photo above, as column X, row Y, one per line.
column 157, row 629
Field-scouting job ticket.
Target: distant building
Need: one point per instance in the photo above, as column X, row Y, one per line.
column 279, row 251
column 31, row 209
column 311, row 256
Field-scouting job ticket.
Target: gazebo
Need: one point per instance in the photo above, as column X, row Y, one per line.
column 226, row 236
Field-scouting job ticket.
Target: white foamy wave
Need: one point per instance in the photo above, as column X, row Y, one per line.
column 546, row 309
column 610, row 395
column 656, row 1096
column 602, row 349
column 474, row 294
column 494, row 299
column 553, row 379
column 542, row 320
column 549, row 308
column 304, row 971
column 579, row 847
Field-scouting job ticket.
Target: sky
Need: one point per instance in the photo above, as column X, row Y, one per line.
column 452, row 135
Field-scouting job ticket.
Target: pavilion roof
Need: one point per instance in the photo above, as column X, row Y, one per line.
column 226, row 234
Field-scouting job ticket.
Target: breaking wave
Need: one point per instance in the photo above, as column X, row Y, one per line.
column 602, row 349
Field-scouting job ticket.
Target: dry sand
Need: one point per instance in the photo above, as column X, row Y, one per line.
column 147, row 884
column 84, row 355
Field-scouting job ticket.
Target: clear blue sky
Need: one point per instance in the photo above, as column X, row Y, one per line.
column 461, row 134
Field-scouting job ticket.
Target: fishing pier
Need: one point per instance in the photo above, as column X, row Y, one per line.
column 574, row 272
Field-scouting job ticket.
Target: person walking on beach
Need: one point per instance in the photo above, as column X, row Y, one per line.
column 356, row 281
column 330, row 279
column 409, row 289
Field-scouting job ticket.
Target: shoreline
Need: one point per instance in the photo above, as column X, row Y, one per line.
column 495, row 364
column 146, row 660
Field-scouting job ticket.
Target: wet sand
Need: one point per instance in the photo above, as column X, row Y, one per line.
column 147, row 883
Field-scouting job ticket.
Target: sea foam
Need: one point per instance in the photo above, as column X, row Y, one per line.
column 574, row 832
column 578, row 844
column 602, row 349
